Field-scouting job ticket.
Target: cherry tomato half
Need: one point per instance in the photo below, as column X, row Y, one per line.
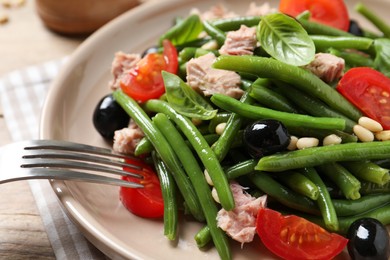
column 292, row 237
column 330, row 12
column 145, row 202
column 369, row 90
column 145, row 81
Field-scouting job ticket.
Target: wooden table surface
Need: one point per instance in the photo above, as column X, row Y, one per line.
column 24, row 41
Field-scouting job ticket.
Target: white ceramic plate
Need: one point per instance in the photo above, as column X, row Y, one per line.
column 67, row 115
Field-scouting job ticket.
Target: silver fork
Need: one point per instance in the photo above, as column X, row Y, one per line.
column 62, row 160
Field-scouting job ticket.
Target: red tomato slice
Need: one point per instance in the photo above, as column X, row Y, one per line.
column 145, row 81
column 146, row 202
column 369, row 90
column 292, row 237
column 330, row 12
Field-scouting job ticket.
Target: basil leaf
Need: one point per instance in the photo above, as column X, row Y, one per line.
column 285, row 39
column 185, row 100
column 382, row 58
column 184, row 31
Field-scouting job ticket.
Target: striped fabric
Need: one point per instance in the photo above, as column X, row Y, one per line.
column 22, row 94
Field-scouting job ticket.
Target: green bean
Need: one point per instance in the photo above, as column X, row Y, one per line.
column 282, row 194
column 374, row 188
column 233, row 24
column 289, row 119
column 341, row 42
column 229, row 134
column 218, row 119
column 368, row 171
column 143, row 147
column 361, row 205
column 215, row 33
column 187, row 53
column 198, row 180
column 271, row 99
column 168, row 190
column 240, row 169
column 324, row 201
column 203, row 150
column 203, row 237
column 313, row 106
column 374, row 19
column 353, row 59
column 315, row 156
column 164, row 150
column 346, row 181
column 298, row 77
column 300, row 184
column 321, row 29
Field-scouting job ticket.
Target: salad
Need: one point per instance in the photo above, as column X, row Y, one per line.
column 272, row 124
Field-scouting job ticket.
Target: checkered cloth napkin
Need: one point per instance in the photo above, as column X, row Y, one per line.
column 22, row 95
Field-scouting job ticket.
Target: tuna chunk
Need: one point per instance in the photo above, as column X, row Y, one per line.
column 327, row 67
column 218, row 11
column 121, row 65
column 240, row 42
column 260, row 10
column 207, row 80
column 127, row 139
column 240, row 223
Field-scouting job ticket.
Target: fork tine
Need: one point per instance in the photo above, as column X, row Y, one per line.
column 36, row 163
column 60, row 174
column 60, row 154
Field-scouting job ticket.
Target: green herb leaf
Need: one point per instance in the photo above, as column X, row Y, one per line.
column 283, row 38
column 185, row 100
column 382, row 58
column 184, row 31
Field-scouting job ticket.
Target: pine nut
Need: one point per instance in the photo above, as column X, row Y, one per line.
column 331, row 139
column 214, row 194
column 383, row 135
column 211, row 45
column 370, row 124
column 208, row 178
column 363, row 134
column 293, row 143
column 196, row 121
column 220, row 128
column 4, row 18
column 307, row 142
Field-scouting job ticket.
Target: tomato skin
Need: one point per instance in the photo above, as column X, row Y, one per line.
column 145, row 202
column 369, row 90
column 293, row 237
column 330, row 12
column 145, row 81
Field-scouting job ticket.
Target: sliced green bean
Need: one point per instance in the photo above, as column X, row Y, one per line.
column 312, row 105
column 203, row 150
column 164, row 150
column 282, row 194
column 361, row 205
column 240, row 169
column 271, row 99
column 289, row 119
column 215, row 33
column 315, row 156
column 300, row 184
column 341, row 42
column 353, row 59
column 374, row 188
column 203, row 237
column 218, row 119
column 374, row 19
column 346, row 181
column 233, row 24
column 321, row 29
column 233, row 125
column 143, row 147
column 298, row 77
column 368, row 171
column 195, row 173
column 168, row 190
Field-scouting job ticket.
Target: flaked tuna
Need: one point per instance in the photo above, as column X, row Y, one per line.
column 240, row 42
column 207, row 80
column 127, row 139
column 121, row 65
column 327, row 67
